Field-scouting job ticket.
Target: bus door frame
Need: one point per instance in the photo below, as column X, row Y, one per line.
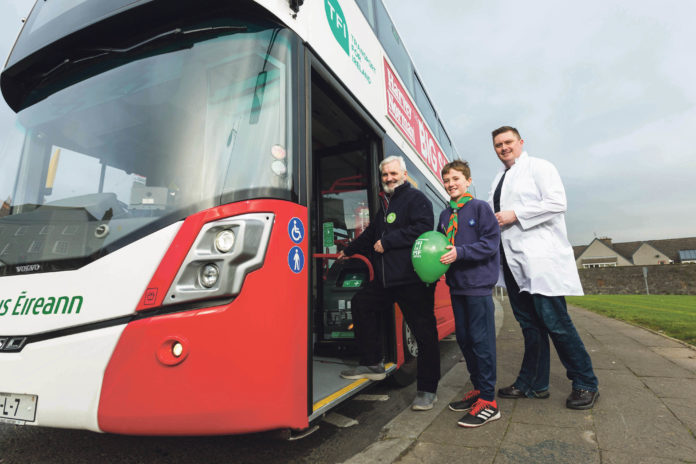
column 313, row 64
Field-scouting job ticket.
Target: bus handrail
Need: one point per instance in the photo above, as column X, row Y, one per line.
column 355, row 256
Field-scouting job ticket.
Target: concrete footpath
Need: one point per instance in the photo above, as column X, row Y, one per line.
column 646, row 412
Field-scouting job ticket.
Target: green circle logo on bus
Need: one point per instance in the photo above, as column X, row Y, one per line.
column 357, row 53
column 337, row 22
column 391, row 217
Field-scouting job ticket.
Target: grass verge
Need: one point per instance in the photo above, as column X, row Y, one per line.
column 673, row 315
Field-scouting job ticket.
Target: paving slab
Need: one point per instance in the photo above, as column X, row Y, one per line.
column 606, row 360
column 611, row 457
column 685, row 412
column 550, row 411
column 684, row 389
column 650, row 338
column 548, row 444
column 640, row 359
column 629, row 416
column 444, row 454
column 595, row 323
column 681, row 356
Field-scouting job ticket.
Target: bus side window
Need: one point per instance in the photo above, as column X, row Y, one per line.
column 438, row 202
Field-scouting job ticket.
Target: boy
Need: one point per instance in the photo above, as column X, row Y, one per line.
column 474, row 236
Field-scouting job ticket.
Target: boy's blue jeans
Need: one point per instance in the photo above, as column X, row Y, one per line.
column 474, row 319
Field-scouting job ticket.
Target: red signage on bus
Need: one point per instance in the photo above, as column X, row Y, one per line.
column 403, row 113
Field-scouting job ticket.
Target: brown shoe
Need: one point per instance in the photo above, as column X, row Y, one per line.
column 581, row 399
column 514, row 393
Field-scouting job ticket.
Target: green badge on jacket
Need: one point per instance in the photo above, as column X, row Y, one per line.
column 391, row 217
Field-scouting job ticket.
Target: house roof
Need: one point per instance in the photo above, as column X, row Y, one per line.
column 670, row 247
column 577, row 250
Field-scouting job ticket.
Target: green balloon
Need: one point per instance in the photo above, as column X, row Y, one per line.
column 426, row 253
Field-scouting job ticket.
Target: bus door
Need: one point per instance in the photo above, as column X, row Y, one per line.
column 344, row 152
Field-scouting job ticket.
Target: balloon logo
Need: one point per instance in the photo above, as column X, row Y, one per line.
column 425, row 256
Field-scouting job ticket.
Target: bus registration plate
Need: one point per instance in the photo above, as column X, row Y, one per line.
column 15, row 407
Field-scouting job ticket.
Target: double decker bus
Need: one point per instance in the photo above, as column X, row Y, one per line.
column 176, row 182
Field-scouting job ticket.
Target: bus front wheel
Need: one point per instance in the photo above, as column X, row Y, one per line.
column 406, row 374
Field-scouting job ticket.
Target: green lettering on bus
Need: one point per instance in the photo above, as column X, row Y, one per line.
column 65, row 306
column 48, row 309
column 37, row 306
column 19, row 302
column 72, row 302
column 27, row 306
column 4, row 306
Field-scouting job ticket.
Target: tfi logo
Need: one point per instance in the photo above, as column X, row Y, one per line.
column 337, row 22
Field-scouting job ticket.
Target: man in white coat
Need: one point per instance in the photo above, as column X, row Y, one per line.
column 538, row 269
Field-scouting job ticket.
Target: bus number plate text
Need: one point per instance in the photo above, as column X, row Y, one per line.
column 16, row 407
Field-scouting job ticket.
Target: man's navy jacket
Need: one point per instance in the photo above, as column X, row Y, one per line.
column 402, row 218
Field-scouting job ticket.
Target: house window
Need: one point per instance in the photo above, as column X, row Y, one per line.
column 593, row 265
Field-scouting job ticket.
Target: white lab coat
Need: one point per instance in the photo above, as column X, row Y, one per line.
column 536, row 246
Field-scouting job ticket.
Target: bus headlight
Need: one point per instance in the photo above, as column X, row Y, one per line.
column 220, row 258
column 208, row 276
column 224, row 241
column 279, row 168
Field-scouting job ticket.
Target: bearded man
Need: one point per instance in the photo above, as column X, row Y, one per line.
column 405, row 214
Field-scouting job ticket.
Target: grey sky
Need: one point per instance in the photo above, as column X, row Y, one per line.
column 606, row 90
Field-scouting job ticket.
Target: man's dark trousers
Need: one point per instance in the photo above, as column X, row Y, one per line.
column 416, row 301
column 541, row 317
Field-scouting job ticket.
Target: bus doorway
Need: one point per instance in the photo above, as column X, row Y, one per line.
column 345, row 188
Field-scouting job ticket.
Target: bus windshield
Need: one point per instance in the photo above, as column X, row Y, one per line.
column 144, row 140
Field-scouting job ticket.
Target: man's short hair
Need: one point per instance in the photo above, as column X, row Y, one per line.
column 457, row 165
column 502, row 130
column 391, row 159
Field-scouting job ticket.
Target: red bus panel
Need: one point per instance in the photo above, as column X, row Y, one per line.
column 244, row 366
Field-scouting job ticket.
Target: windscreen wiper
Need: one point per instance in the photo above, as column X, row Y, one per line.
column 196, row 34
column 207, row 32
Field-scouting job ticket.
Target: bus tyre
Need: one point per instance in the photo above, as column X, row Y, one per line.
column 406, row 374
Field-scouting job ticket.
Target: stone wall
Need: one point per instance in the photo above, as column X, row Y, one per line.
column 668, row 279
